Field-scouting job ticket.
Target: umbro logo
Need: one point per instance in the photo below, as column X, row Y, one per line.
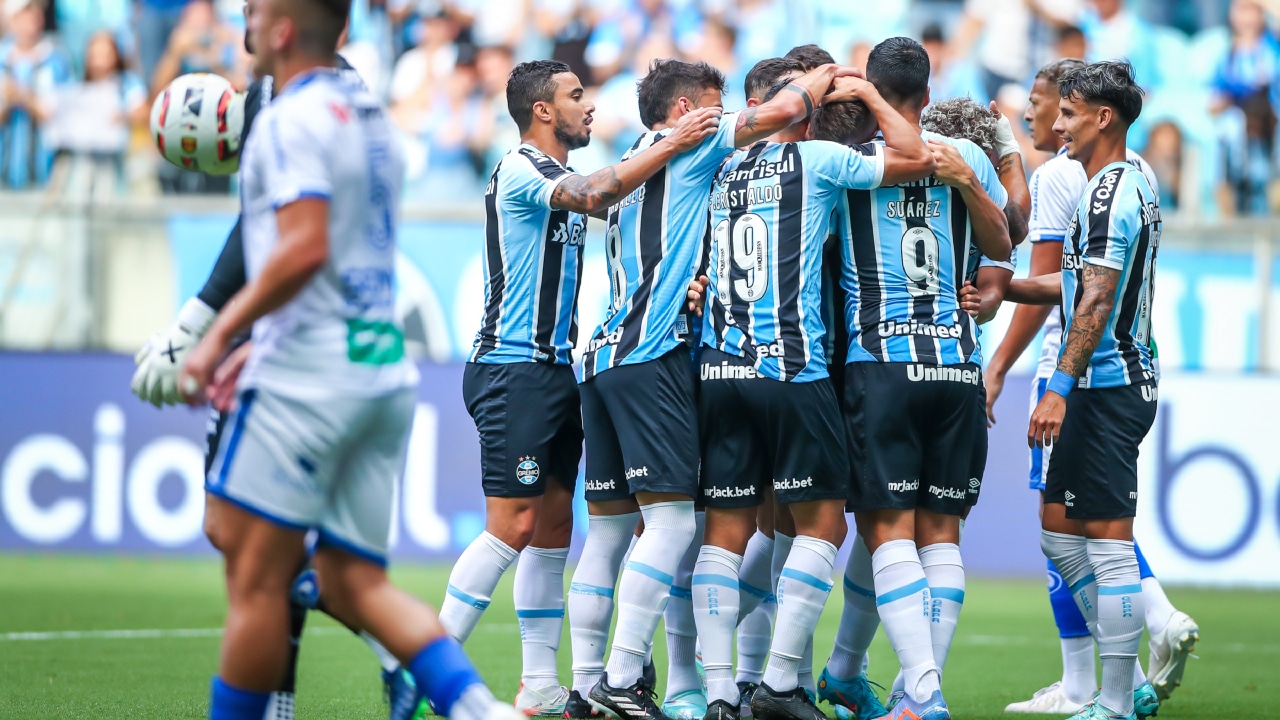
column 1068, row 496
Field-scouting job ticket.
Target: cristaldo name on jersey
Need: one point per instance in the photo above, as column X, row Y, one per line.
column 910, row 210
column 761, row 169
column 754, row 195
column 891, row 328
column 936, row 373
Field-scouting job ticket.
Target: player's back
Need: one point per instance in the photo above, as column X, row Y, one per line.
column 905, row 255
column 771, row 207
column 326, row 137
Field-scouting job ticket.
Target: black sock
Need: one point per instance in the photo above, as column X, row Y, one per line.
column 297, row 618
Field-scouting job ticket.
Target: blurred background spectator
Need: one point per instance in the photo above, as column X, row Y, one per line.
column 33, row 67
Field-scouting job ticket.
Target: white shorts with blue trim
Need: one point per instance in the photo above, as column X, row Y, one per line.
column 330, row 466
column 1039, row 456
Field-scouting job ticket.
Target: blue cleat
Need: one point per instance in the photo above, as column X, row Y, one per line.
column 1145, row 702
column 1097, row 711
column 935, row 708
column 688, row 705
column 895, row 697
column 400, row 694
column 854, row 695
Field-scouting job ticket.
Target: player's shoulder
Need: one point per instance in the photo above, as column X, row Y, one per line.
column 529, row 160
column 1061, row 174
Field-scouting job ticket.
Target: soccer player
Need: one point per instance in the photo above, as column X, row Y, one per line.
column 519, row 384
column 1059, row 184
column 155, row 381
column 637, row 376
column 910, row 384
column 1101, row 401
column 764, row 363
column 326, row 398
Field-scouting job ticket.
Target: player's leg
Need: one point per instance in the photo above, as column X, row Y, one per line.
column 843, row 683
column 758, row 604
column 1173, row 633
column 684, row 698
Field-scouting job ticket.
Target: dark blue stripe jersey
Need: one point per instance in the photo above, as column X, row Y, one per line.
column 1117, row 225
column 904, row 255
column 532, row 264
column 653, row 246
column 771, row 209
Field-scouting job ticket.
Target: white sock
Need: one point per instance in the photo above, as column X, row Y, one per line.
column 388, row 661
column 1120, row 619
column 716, row 598
column 803, row 587
column 591, row 594
column 646, row 586
column 755, row 632
column 944, row 569
column 756, row 577
column 475, row 703
column 781, row 548
column 1070, row 554
column 682, row 633
column 631, row 545
column 471, row 584
column 804, row 673
column 902, row 596
column 539, row 598
column 1079, row 672
column 1159, row 609
column 858, row 619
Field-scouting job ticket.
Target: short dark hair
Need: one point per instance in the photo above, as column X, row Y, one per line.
column 1109, row 83
column 845, row 123
column 766, row 73
column 670, row 80
column 1053, row 72
column 899, row 68
column 932, row 33
column 320, row 24
column 810, row 56
column 962, row 118
column 1067, row 32
column 529, row 83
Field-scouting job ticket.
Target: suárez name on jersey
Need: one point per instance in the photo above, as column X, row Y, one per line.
column 910, row 210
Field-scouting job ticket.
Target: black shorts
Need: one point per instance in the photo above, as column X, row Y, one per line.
column 759, row 434
column 913, row 431
column 642, row 428
column 978, row 466
column 1095, row 461
column 530, row 424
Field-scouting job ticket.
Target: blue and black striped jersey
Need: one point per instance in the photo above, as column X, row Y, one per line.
column 653, row 246
column 771, row 209
column 1116, row 225
column 904, row 256
column 532, row 262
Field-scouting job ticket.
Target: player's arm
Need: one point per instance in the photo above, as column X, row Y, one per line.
column 791, row 105
column 1097, row 299
column 1041, row 290
column 993, row 282
column 990, row 228
column 1012, row 177
column 593, row 193
column 906, row 155
column 1046, row 257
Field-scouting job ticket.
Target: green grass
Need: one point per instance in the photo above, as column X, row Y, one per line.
column 1006, row 647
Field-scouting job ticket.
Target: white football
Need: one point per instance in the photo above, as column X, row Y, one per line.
column 197, row 122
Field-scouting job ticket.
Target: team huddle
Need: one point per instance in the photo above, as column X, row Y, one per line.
column 793, row 335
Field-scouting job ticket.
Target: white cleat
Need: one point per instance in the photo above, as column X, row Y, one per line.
column 1048, row 701
column 543, row 702
column 1169, row 652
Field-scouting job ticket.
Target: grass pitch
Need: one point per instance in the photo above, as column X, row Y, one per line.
column 62, row 654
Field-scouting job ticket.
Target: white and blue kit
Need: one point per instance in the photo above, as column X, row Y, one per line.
column 519, row 384
column 764, row 357
column 326, row 398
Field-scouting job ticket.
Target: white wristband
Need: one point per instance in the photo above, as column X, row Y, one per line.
column 196, row 316
column 1006, row 143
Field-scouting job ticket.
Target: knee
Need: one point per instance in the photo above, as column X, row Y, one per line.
column 514, row 527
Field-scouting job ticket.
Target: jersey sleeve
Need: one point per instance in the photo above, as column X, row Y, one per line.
column 1055, row 194
column 1114, row 218
column 985, row 171
column 855, row 168
column 296, row 166
column 705, row 158
column 1011, row 264
column 531, row 178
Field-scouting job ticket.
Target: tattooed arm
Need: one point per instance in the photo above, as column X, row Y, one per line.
column 1018, row 209
column 791, row 105
column 591, row 194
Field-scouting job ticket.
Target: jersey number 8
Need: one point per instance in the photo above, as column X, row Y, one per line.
column 746, row 244
column 920, row 254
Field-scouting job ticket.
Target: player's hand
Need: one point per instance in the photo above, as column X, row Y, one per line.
column 1006, row 143
column 222, row 391
column 156, row 379
column 197, row 372
column 1046, row 421
column 952, row 169
column 847, row 89
column 970, row 299
column 694, row 127
column 697, row 294
column 994, row 382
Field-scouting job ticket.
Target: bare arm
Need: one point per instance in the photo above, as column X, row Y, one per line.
column 788, row 107
column 1090, row 319
column 1046, row 257
column 906, row 155
column 1018, row 210
column 992, row 284
column 1042, row 290
column 990, row 228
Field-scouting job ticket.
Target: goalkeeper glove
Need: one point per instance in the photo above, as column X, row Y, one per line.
column 156, row 379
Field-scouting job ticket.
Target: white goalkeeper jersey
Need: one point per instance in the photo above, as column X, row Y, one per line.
column 325, row 136
column 1056, row 190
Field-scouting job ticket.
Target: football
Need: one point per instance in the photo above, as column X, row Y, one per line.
column 197, row 122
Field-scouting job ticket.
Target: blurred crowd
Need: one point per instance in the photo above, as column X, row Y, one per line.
column 79, row 76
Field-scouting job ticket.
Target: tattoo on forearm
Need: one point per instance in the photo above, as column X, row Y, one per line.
column 747, row 120
column 589, row 193
column 1090, row 319
column 804, row 93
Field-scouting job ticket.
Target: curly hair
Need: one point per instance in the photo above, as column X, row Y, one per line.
column 962, row 118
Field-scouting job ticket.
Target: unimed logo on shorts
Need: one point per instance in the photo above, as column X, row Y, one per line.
column 926, row 373
column 715, row 492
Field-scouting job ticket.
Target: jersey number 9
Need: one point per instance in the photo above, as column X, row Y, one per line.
column 920, row 251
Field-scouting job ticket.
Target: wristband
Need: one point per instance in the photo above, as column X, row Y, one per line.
column 1061, row 383
column 196, row 316
column 1006, row 143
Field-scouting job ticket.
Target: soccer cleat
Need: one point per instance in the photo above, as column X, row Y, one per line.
column 1097, row 711
column 1051, row 700
column 400, row 694
column 854, row 695
column 578, row 708
column 1145, row 702
column 935, row 708
column 688, row 705
column 649, row 675
column 637, row 702
column 1169, row 652
column 279, row 706
column 894, row 698
column 722, row 710
column 745, row 691
column 549, row 701
column 794, row 704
